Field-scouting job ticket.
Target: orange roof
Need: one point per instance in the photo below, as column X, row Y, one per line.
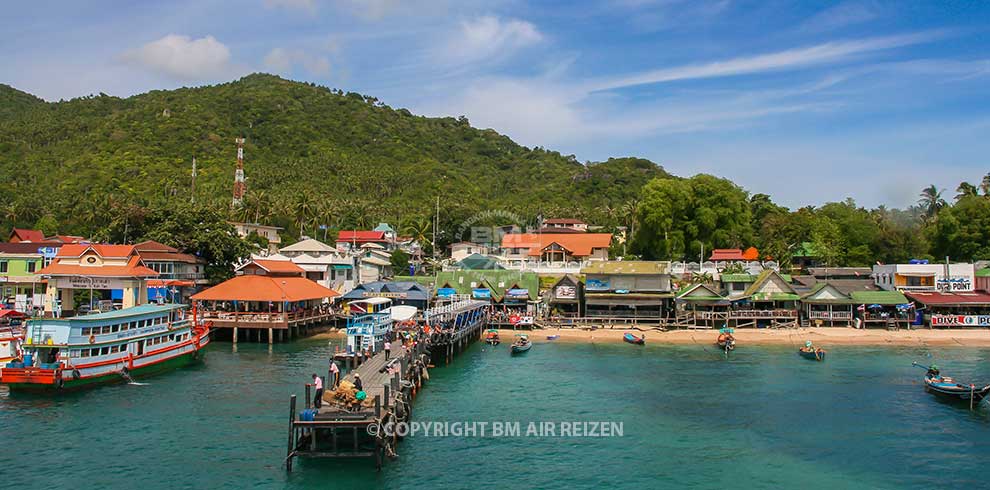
column 751, row 253
column 276, row 266
column 579, row 244
column 726, row 254
column 134, row 268
column 153, row 246
column 77, row 249
column 265, row 288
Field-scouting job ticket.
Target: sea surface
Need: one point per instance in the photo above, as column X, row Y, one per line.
column 763, row 418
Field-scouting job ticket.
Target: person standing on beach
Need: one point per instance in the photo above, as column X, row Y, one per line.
column 318, row 398
column 388, row 349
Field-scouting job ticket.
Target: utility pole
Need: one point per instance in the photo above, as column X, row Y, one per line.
column 192, row 192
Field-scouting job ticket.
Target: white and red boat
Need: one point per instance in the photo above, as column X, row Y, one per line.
column 82, row 351
column 11, row 335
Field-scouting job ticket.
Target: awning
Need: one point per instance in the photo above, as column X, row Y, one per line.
column 916, row 274
column 445, row 292
column 342, row 266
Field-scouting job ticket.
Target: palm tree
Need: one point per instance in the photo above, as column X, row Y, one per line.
column 420, row 229
column 985, row 185
column 965, row 189
column 628, row 211
column 931, row 201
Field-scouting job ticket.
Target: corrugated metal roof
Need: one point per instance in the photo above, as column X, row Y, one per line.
column 628, row 267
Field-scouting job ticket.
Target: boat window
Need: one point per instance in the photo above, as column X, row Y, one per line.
column 104, row 351
column 85, row 332
column 114, row 349
column 106, row 329
column 114, row 328
column 94, row 352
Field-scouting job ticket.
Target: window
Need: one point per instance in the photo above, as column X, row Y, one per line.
column 106, row 329
column 86, row 332
column 114, row 328
column 114, row 349
column 32, row 266
column 104, row 351
column 3, row 267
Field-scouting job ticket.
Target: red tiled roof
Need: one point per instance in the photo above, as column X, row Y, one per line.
column 950, row 299
column 751, row 253
column 361, row 236
column 727, row 254
column 278, row 265
column 23, row 235
column 159, row 283
column 171, row 257
column 77, row 249
column 265, row 288
column 580, row 244
column 134, row 268
column 153, row 246
column 564, row 221
column 66, row 238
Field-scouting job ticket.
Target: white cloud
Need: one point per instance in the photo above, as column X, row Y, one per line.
column 183, row 58
column 281, row 60
column 842, row 15
column 490, row 37
column 830, row 52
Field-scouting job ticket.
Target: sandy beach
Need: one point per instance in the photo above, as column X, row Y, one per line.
column 796, row 337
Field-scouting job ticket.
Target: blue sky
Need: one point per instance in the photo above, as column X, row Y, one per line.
column 807, row 101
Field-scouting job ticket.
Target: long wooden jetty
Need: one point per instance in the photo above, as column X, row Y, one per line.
column 336, row 431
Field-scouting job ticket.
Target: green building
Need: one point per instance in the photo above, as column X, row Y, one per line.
column 20, row 287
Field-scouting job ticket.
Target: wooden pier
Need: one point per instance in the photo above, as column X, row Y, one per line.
column 359, row 431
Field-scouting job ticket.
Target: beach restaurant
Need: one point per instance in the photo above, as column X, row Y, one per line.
column 962, row 309
column 265, row 295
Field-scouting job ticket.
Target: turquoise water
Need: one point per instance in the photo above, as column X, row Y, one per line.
column 763, row 419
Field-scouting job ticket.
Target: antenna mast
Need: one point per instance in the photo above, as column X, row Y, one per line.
column 239, row 186
column 192, row 192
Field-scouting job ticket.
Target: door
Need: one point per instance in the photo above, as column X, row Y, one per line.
column 140, row 348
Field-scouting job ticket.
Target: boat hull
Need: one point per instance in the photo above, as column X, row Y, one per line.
column 632, row 339
column 955, row 392
column 812, row 355
column 519, row 349
column 44, row 381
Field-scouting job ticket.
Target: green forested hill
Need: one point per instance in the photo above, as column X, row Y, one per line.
column 313, row 156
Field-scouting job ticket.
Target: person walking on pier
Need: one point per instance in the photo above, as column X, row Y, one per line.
column 318, row 384
column 388, row 349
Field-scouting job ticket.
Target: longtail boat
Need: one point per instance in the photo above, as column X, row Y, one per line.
column 632, row 339
column 812, row 353
column 725, row 340
column 103, row 348
column 491, row 337
column 521, row 344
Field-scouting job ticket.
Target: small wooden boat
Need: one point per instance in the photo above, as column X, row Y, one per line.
column 948, row 388
column 491, row 337
column 553, row 337
column 521, row 344
column 632, row 339
column 812, row 353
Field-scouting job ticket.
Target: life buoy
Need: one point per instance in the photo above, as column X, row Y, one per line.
column 92, row 339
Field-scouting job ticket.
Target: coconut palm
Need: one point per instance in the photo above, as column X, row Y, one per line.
column 931, row 201
column 965, row 189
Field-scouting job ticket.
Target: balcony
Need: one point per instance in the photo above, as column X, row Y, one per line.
column 226, row 319
column 834, row 315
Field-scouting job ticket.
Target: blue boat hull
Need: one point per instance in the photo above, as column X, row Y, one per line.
column 632, row 339
column 812, row 355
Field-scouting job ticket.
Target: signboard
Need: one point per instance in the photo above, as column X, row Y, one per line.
column 597, row 284
column 77, row 282
column 517, row 293
column 385, row 294
column 446, row 292
column 481, row 293
column 48, row 252
column 954, row 284
column 566, row 292
column 961, row 320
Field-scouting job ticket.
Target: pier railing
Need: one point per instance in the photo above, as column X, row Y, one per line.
column 228, row 319
column 833, row 315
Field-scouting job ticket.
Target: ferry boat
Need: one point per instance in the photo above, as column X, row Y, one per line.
column 370, row 322
column 103, row 348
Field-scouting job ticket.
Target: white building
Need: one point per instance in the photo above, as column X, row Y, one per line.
column 269, row 233
column 461, row 250
column 924, row 277
column 327, row 266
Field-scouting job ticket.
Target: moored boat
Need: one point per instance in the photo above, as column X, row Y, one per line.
column 814, row 354
column 83, row 351
column 491, row 337
column 553, row 337
column 811, row 352
column 521, row 344
column 949, row 389
column 11, row 335
column 632, row 339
